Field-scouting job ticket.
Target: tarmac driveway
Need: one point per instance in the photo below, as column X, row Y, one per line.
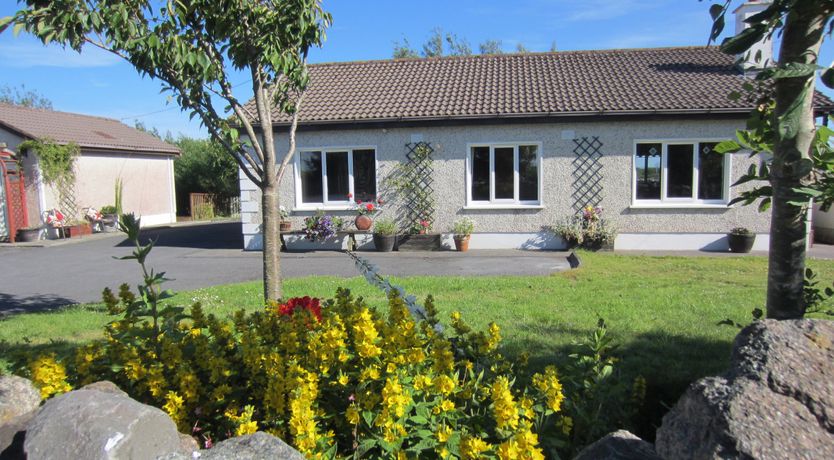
column 208, row 254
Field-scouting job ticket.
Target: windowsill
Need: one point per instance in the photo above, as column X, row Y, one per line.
column 673, row 205
column 479, row 207
column 324, row 208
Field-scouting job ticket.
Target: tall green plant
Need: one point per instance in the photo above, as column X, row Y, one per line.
column 411, row 183
column 119, row 188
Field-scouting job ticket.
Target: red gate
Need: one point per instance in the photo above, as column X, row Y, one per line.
column 12, row 176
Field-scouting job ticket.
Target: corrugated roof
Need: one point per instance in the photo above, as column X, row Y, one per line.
column 85, row 130
column 625, row 81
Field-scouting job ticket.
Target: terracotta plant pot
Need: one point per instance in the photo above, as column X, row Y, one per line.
column 75, row 231
column 284, row 226
column 27, row 235
column 384, row 243
column 741, row 243
column 363, row 222
column 462, row 243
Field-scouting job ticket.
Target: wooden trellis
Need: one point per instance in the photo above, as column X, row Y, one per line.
column 587, row 172
column 419, row 200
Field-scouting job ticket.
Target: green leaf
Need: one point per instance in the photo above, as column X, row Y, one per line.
column 828, row 77
column 727, row 147
column 716, row 10
column 17, row 28
column 795, row 70
column 744, row 40
column 764, row 205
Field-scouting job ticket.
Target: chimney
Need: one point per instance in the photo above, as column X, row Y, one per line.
column 764, row 48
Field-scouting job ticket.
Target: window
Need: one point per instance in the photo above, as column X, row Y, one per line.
column 332, row 176
column 504, row 174
column 680, row 172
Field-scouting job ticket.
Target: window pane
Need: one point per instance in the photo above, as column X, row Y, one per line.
column 337, row 176
column 480, row 173
column 528, row 173
column 364, row 175
column 310, row 172
column 504, row 173
column 710, row 172
column 647, row 166
column 679, row 165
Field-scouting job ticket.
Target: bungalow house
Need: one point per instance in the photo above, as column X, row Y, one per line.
column 109, row 150
column 521, row 141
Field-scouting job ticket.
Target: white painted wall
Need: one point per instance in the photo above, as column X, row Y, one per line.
column 450, row 145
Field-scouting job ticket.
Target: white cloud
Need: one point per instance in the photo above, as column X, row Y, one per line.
column 33, row 54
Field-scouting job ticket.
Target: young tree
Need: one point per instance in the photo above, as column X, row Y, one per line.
column 24, row 97
column 191, row 46
column 434, row 45
column 491, row 47
column 802, row 26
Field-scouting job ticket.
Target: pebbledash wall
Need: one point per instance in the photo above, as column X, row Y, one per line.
column 681, row 227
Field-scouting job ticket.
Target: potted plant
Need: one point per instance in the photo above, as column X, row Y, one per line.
column 587, row 230
column 322, row 226
column 78, row 228
column 385, row 235
column 741, row 240
column 109, row 218
column 365, row 210
column 463, row 230
column 28, row 234
column 284, row 225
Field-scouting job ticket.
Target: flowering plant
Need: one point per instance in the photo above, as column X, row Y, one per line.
column 367, row 208
column 306, row 303
column 321, row 226
column 587, row 229
column 422, row 227
column 283, row 213
column 356, row 382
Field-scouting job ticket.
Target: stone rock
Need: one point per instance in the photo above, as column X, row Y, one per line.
column 188, row 444
column 776, row 401
column 12, row 434
column 104, row 386
column 92, row 424
column 18, row 396
column 257, row 446
column 619, row 445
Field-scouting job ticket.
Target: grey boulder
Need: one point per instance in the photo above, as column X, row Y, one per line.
column 92, row 424
column 775, row 402
column 619, row 445
column 257, row 446
column 18, row 396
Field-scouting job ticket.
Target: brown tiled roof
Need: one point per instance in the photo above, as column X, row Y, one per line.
column 625, row 81
column 87, row 131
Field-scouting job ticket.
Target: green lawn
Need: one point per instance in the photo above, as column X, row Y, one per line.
column 661, row 310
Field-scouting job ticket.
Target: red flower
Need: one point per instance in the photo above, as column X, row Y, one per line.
column 350, row 195
column 369, row 206
column 295, row 304
column 358, row 201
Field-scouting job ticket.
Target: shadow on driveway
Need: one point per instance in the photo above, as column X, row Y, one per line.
column 224, row 235
column 11, row 304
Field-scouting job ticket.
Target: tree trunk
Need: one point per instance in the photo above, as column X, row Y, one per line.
column 794, row 127
column 272, row 243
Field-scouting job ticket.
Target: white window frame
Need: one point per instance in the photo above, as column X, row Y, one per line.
column 515, row 202
column 666, row 201
column 330, row 205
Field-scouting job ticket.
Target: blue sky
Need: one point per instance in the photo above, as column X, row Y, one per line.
column 97, row 83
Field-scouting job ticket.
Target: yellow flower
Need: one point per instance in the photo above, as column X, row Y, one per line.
column 504, row 408
column 444, row 384
column 548, row 383
column 444, row 433
column 444, row 406
column 472, row 448
column 343, row 379
column 50, row 376
column 173, row 406
column 352, row 415
column 422, row 382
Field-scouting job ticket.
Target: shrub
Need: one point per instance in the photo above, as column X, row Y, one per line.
column 587, row 229
column 385, row 226
column 204, row 211
column 339, row 378
column 463, row 227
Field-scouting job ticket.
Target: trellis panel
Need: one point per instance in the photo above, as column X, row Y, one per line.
column 587, row 172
